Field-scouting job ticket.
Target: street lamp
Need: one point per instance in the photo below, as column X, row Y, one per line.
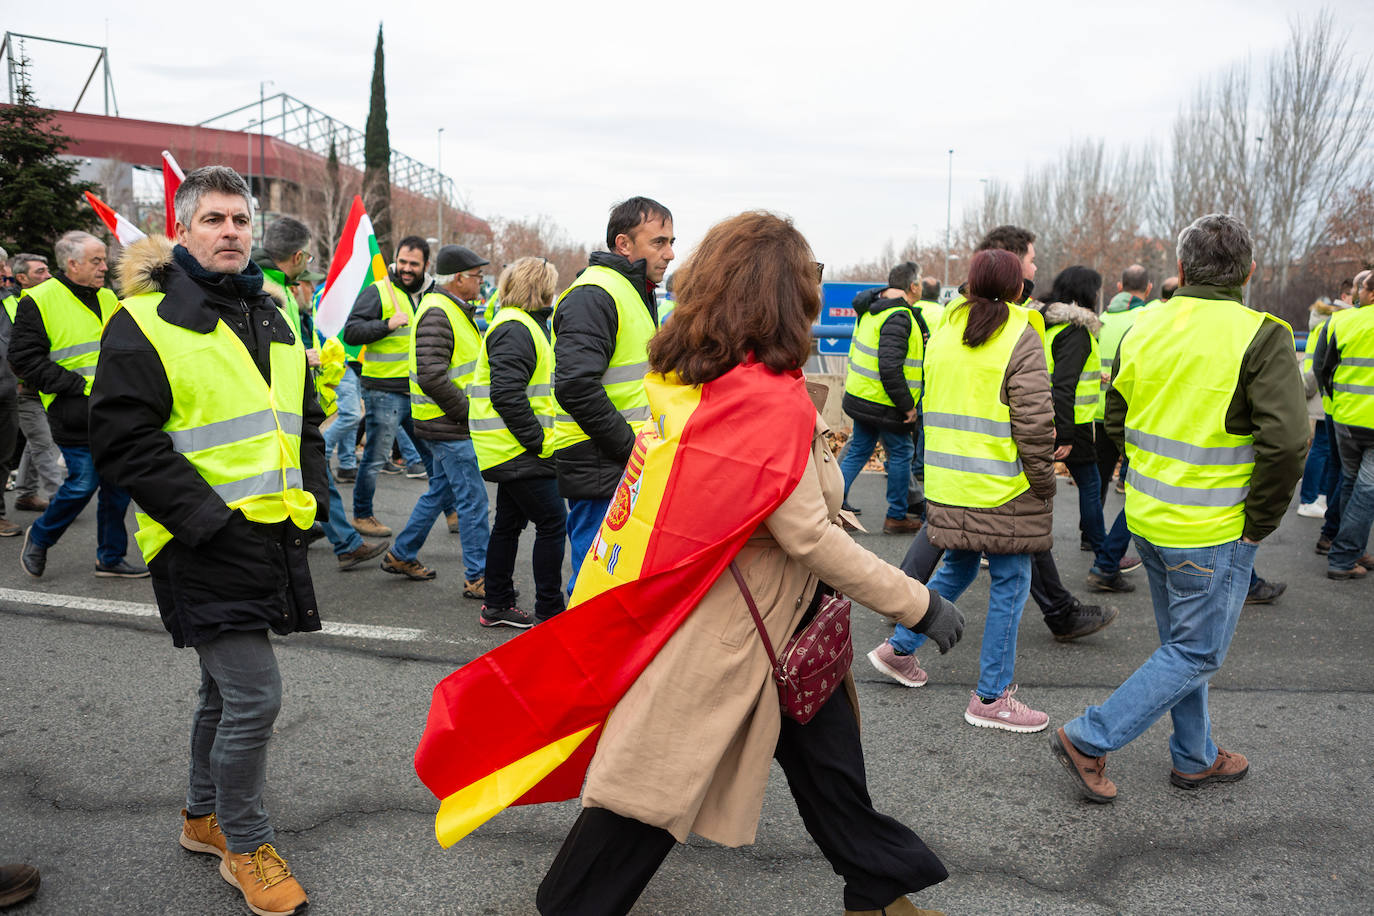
column 440, row 195
column 262, row 147
column 949, row 212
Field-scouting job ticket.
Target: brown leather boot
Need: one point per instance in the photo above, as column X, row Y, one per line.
column 899, row 907
column 202, row 834
column 265, row 880
column 1228, row 767
column 901, row 525
column 1086, row 771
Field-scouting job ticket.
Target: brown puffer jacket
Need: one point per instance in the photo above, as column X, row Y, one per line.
column 1026, row 523
column 433, row 349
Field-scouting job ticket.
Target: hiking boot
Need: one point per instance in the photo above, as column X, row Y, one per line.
column 416, row 471
column 366, row 552
column 899, row 907
column 202, row 834
column 1265, row 592
column 1086, row 771
column 1079, row 620
column 505, row 617
column 121, row 570
column 1323, row 544
column 266, row 881
column 17, row 882
column 477, row 588
column 452, row 519
column 901, row 525
column 1355, row 572
column 30, row 503
column 1102, row 582
column 904, row 669
column 1228, row 767
column 33, row 558
column 1129, row 563
column 411, row 569
column 346, row 475
column 1006, row 712
column 9, row 529
column 370, row 528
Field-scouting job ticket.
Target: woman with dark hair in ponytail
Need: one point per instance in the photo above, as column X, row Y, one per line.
column 989, row 476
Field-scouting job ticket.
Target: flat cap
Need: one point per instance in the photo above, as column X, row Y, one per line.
column 454, row 259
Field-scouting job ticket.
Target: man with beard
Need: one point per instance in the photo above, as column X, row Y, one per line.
column 204, row 410
column 381, row 320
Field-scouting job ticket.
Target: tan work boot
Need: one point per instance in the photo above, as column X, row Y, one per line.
column 265, row 880
column 1087, row 772
column 202, row 834
column 899, row 907
column 477, row 588
column 452, row 519
column 370, row 528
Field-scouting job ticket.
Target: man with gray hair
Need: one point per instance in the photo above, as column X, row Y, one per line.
column 40, row 468
column 229, row 476
column 1205, row 485
column 55, row 348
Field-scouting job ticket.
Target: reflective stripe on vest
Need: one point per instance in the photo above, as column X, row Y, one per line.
column 629, row 363
column 491, row 440
column 389, row 357
column 863, row 380
column 1087, row 391
column 1188, row 477
column 242, row 435
column 1352, row 384
column 462, row 362
column 73, row 329
column 971, row 458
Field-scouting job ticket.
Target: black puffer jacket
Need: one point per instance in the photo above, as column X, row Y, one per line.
column 9, row 385
column 892, row 349
column 366, row 325
column 512, row 357
column 433, row 352
column 1070, row 350
column 585, row 326
column 220, row 572
column 30, row 350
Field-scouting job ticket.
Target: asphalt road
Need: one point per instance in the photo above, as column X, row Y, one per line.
column 95, row 705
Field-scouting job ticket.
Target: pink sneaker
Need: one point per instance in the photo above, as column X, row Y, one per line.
column 904, row 669
column 1006, row 712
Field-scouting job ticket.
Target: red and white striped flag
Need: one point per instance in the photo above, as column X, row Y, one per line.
column 119, row 224
column 172, row 177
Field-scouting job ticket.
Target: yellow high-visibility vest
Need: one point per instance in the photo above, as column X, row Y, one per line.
column 863, row 380
column 1352, row 401
column 389, row 357
column 491, row 440
column 1087, row 391
column 73, row 329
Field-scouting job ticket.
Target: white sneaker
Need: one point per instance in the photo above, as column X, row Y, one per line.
column 1311, row 510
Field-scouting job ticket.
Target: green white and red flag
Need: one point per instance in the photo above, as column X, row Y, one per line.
column 356, row 265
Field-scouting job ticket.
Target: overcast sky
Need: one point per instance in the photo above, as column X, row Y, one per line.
column 840, row 114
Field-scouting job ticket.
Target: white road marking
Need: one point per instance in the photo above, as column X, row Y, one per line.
column 138, row 609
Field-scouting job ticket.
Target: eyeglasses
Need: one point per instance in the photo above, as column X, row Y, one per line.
column 472, row 276
column 309, row 258
column 820, row 271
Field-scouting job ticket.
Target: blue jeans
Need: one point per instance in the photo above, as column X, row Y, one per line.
column 584, row 520
column 342, row 434
column 340, row 533
column 387, row 411
column 1011, row 575
column 1314, row 470
column 1357, row 505
column 112, row 540
column 1089, row 484
column 1332, row 523
column 899, row 450
column 240, row 696
column 1108, row 561
column 454, row 477
column 410, row 451
column 1198, row 593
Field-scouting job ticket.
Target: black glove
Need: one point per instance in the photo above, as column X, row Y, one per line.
column 943, row 623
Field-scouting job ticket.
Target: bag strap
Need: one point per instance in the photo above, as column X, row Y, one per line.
column 758, row 621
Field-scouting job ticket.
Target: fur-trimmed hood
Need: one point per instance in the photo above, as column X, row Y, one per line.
column 1065, row 313
column 144, row 264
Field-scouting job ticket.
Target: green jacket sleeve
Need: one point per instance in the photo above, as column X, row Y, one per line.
column 1269, row 405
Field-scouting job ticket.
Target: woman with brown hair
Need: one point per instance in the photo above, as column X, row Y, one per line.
column 687, row 748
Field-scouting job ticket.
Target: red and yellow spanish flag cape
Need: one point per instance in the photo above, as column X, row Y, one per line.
column 519, row 725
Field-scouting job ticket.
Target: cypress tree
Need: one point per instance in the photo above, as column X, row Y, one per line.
column 377, row 155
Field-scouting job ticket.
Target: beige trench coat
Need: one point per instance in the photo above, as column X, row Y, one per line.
column 689, row 746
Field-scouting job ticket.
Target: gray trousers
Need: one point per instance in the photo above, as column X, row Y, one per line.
column 240, row 696
column 40, row 465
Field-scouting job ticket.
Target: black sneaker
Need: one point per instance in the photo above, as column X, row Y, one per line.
column 1079, row 620
column 1323, row 546
column 505, row 617
column 1102, row 582
column 848, row 508
column 1084, row 546
column 345, row 475
column 33, row 558
column 1265, row 592
column 121, row 570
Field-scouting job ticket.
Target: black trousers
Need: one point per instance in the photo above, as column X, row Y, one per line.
column 1107, row 457
column 519, row 502
column 9, row 431
column 607, row 860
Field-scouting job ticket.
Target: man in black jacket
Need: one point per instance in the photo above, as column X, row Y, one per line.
column 74, row 303
column 588, row 324
column 223, row 576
